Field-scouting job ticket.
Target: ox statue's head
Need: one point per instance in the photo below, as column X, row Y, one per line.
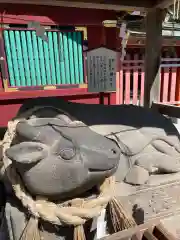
column 58, row 158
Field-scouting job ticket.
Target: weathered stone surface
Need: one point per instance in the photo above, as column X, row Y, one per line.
column 137, row 176
column 156, row 201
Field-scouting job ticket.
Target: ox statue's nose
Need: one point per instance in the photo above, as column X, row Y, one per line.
column 97, row 159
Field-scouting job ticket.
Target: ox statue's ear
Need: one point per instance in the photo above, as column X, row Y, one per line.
column 27, row 152
column 30, row 133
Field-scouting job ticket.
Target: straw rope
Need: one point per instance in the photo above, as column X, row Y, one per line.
column 176, row 9
column 74, row 212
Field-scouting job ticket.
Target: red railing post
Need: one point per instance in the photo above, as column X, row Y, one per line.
column 135, row 81
column 142, row 77
column 127, row 80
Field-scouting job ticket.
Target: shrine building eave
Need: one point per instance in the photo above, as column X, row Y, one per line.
column 117, row 5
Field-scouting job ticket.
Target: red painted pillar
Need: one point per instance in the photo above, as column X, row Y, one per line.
column 178, row 85
column 178, row 77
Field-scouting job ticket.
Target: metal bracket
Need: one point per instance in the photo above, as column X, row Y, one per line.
column 49, row 87
column 7, row 88
column 82, row 29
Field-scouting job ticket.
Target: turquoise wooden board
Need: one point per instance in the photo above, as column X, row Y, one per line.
column 14, row 58
column 26, row 63
column 56, row 58
column 71, row 58
column 34, row 62
column 39, row 75
column 75, row 54
column 51, row 57
column 80, row 57
column 20, row 59
column 66, row 57
column 31, row 58
column 42, row 61
column 9, row 58
column 62, row 59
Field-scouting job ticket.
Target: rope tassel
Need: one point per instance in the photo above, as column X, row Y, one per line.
column 79, row 233
column 118, row 218
column 176, row 8
column 31, row 231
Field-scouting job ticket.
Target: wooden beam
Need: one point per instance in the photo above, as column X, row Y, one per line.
column 163, row 3
column 165, row 109
column 154, row 39
column 153, row 230
column 129, row 5
column 127, row 233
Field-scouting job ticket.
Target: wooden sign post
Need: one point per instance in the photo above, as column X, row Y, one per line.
column 101, row 70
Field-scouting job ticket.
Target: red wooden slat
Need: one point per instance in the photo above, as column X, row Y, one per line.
column 127, row 81
column 85, row 66
column 168, row 81
column 135, row 81
column 121, row 86
column 161, row 85
column 165, row 83
column 173, row 84
column 142, row 86
column 118, row 87
column 160, row 81
column 119, row 81
column 178, row 86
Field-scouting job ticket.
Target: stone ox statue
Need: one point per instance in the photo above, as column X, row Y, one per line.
column 64, row 150
column 59, row 159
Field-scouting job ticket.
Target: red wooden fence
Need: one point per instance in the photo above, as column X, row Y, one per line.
column 130, row 80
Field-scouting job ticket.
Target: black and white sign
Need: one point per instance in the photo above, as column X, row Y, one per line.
column 101, row 70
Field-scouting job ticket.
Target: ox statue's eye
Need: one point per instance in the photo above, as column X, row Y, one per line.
column 39, row 148
column 67, row 153
column 114, row 151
